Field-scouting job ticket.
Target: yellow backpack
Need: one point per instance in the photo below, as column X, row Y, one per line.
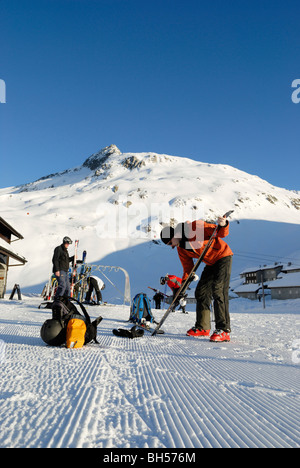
column 76, row 330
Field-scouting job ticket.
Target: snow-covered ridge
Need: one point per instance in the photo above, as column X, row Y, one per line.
column 111, row 186
column 178, row 181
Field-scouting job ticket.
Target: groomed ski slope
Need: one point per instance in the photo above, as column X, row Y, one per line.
column 158, row 392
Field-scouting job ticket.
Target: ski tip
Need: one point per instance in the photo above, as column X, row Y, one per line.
column 226, row 215
column 158, row 332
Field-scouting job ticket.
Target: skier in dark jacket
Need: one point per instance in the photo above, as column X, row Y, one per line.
column 61, row 262
column 158, row 297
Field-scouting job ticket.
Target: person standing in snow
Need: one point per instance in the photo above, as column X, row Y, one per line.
column 158, row 297
column 96, row 284
column 61, row 262
column 190, row 239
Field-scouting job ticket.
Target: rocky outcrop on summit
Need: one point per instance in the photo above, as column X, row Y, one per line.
column 132, row 162
column 97, row 160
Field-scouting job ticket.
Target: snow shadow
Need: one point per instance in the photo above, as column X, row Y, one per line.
column 145, row 264
column 253, row 242
column 22, row 340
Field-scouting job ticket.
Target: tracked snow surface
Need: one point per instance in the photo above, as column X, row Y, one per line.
column 152, row 392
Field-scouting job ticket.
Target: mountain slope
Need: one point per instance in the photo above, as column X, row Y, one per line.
column 116, row 202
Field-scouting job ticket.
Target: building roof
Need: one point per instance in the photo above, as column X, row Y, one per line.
column 247, row 288
column 4, row 250
column 290, row 267
column 10, row 228
column 289, row 280
column 264, row 267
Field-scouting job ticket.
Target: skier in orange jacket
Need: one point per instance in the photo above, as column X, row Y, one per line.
column 174, row 284
column 190, row 239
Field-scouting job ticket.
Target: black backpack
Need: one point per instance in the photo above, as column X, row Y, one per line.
column 64, row 310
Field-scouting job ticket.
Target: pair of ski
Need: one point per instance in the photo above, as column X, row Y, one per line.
column 149, row 329
column 189, row 279
column 75, row 265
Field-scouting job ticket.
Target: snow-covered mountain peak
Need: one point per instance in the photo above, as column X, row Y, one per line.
column 97, row 160
column 115, row 178
column 110, row 158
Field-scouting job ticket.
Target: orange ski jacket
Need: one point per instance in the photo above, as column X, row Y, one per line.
column 200, row 232
column 174, row 282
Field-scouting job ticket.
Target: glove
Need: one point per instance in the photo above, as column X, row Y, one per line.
column 195, row 277
column 182, row 302
column 132, row 333
column 222, row 221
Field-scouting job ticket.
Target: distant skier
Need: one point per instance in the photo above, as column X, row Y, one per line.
column 190, row 239
column 174, row 284
column 158, row 297
column 96, row 284
column 61, row 262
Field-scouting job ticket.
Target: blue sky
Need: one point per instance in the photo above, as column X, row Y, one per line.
column 210, row 80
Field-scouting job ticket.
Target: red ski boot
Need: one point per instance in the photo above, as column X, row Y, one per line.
column 197, row 333
column 220, row 335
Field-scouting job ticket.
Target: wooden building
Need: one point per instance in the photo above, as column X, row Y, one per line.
column 8, row 258
column 287, row 286
column 249, row 291
column 281, row 281
column 263, row 273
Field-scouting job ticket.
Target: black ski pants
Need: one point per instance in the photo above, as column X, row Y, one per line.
column 214, row 285
column 93, row 285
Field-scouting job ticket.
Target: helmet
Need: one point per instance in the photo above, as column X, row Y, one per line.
column 53, row 333
column 167, row 234
column 67, row 240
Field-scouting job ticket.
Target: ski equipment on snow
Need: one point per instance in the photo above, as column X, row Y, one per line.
column 141, row 309
column 220, row 336
column 80, row 286
column 132, row 333
column 185, row 284
column 146, row 327
column 74, row 271
column 75, row 333
column 197, row 333
column 55, row 331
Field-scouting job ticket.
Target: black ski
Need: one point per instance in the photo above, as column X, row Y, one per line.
column 74, row 271
column 157, row 290
column 149, row 329
column 189, row 279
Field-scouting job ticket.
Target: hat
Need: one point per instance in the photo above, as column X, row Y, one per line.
column 67, row 240
column 167, row 234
